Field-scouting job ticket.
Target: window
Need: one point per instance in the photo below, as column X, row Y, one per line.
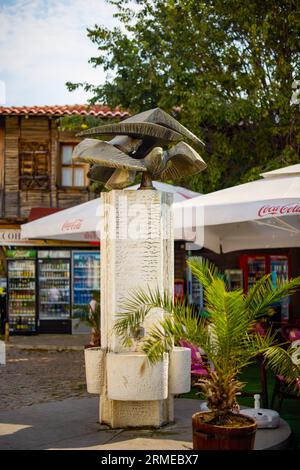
column 34, row 165
column 72, row 174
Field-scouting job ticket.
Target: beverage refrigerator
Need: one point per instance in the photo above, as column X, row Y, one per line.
column 21, row 291
column 234, row 278
column 86, row 279
column 54, row 276
column 194, row 287
column 256, row 266
column 279, row 269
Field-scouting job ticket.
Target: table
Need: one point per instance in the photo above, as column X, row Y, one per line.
column 273, row 439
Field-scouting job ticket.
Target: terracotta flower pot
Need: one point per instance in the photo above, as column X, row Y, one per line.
column 208, row 436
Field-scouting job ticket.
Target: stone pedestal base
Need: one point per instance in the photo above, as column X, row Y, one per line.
column 137, row 252
column 123, row 414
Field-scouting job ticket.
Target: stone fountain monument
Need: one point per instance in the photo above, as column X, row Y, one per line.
column 137, row 252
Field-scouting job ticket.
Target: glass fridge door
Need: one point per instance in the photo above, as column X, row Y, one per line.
column 234, row 278
column 21, row 296
column 54, row 289
column 257, row 268
column 86, row 279
column 279, row 267
column 194, row 287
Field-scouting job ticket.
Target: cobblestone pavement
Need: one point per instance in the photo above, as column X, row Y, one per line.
column 31, row 377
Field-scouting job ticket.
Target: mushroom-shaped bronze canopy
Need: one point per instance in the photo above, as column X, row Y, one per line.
column 138, row 146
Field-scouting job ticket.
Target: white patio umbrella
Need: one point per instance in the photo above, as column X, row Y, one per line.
column 81, row 222
column 260, row 214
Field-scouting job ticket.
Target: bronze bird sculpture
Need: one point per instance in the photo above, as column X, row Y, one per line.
column 138, row 146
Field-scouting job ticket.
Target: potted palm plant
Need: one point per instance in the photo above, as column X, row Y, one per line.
column 93, row 354
column 229, row 340
column 93, row 318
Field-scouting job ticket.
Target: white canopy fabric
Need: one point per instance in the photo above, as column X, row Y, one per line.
column 260, row 214
column 270, row 196
column 250, row 235
column 81, row 223
column 292, row 170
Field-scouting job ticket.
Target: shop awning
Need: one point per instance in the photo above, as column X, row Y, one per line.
column 81, row 223
column 260, row 214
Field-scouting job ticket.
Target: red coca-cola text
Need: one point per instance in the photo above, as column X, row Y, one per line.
column 72, row 225
column 269, row 211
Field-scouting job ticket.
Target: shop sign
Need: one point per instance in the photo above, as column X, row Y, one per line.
column 54, row 254
column 11, row 237
column 21, row 254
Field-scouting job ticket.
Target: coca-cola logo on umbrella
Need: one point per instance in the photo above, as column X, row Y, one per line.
column 71, row 225
column 269, row 210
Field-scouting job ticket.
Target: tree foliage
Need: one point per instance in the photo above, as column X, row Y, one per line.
column 225, row 69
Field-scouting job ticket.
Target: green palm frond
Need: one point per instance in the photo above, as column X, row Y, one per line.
column 135, row 310
column 186, row 322
column 256, row 343
column 205, row 271
column 253, row 345
column 148, row 297
column 257, row 290
column 281, row 362
column 261, row 297
column 227, row 311
column 160, row 340
column 229, row 322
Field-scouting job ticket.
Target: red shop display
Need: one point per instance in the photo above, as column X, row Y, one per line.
column 255, row 266
column 179, row 289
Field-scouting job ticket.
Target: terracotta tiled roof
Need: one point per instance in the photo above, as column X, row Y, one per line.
column 67, row 110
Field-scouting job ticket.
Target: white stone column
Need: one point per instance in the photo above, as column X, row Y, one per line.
column 137, row 251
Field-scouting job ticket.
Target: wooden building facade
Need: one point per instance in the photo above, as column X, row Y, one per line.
column 36, row 169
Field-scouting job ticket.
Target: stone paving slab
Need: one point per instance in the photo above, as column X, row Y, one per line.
column 49, row 342
column 31, row 377
column 38, row 426
column 72, row 424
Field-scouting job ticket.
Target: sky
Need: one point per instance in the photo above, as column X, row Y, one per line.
column 44, row 44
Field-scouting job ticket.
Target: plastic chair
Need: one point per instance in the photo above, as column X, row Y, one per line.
column 289, row 333
column 281, row 392
column 263, row 391
column 281, row 389
column 198, row 368
column 259, row 328
column 294, row 334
